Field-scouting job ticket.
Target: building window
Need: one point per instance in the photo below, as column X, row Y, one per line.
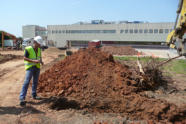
column 109, row 31
column 59, row 31
column 146, row 31
column 121, row 31
column 53, row 31
column 97, row 31
column 131, row 31
column 136, row 31
column 166, row 31
column 126, row 31
column 73, row 31
column 67, row 31
column 151, row 31
column 88, row 31
column 155, row 31
column 160, row 31
column 140, row 31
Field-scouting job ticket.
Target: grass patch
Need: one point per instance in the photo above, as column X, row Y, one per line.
column 177, row 66
column 125, row 58
column 133, row 58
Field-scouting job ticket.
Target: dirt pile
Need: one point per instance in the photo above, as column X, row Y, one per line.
column 99, row 84
column 122, row 50
column 53, row 50
column 8, row 57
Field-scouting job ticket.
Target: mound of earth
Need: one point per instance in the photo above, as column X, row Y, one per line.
column 99, row 84
column 121, row 50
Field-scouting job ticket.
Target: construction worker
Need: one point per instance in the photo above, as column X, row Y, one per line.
column 32, row 61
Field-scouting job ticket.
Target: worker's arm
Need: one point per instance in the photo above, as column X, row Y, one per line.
column 41, row 61
column 30, row 60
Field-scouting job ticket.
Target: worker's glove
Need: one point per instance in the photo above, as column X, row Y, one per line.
column 42, row 63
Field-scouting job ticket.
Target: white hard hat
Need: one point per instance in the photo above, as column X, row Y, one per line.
column 38, row 39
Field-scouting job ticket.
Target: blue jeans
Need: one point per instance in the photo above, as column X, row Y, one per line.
column 31, row 72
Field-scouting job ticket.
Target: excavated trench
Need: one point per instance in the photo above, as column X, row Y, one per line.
column 8, row 57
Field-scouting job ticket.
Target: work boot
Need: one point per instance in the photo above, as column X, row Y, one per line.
column 36, row 97
column 22, row 102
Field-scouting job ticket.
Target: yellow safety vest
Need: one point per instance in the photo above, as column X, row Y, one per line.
column 32, row 55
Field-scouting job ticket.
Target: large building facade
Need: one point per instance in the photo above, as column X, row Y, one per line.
column 30, row 31
column 109, row 33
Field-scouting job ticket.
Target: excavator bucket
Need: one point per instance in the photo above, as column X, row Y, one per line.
column 177, row 38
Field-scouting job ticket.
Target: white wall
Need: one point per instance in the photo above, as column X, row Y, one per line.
column 61, row 38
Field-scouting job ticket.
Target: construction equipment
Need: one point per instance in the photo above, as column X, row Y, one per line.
column 30, row 41
column 27, row 42
column 177, row 38
column 94, row 43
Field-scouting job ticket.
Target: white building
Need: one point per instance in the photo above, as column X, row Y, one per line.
column 30, row 31
column 109, row 33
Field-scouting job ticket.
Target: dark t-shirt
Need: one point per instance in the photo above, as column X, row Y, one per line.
column 26, row 54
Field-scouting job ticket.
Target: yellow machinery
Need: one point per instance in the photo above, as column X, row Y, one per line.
column 177, row 38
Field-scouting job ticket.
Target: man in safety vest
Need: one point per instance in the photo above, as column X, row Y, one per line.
column 32, row 61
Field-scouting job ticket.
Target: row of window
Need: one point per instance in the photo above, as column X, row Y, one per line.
column 131, row 31
column 82, row 31
column 150, row 31
column 38, row 33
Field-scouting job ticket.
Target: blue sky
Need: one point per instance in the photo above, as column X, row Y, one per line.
column 16, row 13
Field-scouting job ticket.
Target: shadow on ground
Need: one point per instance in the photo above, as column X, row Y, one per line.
column 57, row 103
column 18, row 110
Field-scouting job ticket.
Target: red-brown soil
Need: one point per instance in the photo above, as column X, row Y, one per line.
column 99, row 84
